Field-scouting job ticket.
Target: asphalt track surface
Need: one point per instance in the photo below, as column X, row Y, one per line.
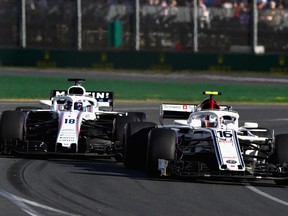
column 106, row 187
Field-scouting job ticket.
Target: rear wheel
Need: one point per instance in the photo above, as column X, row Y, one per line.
column 281, row 153
column 73, row 148
column 118, row 127
column 141, row 116
column 27, row 108
column 135, row 144
column 58, row 148
column 161, row 145
column 82, row 146
column 12, row 131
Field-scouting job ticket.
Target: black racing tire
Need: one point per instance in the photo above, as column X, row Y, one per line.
column 141, row 116
column 11, row 127
column 118, row 127
column 82, row 146
column 161, row 145
column 73, row 148
column 281, row 148
column 58, row 148
column 26, row 108
column 135, row 144
column 281, row 153
column 120, row 121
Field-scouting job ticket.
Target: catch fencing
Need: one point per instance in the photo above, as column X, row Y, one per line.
column 218, row 26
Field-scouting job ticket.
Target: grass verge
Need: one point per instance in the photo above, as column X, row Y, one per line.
column 32, row 87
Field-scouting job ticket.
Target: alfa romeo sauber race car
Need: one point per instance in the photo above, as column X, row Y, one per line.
column 72, row 121
column 205, row 140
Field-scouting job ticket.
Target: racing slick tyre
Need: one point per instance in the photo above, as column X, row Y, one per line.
column 27, row 108
column 82, row 146
column 118, row 127
column 135, row 144
column 73, row 148
column 281, row 153
column 11, row 130
column 161, row 145
column 281, row 148
column 141, row 116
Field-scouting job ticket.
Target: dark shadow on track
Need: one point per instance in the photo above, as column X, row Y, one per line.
column 112, row 168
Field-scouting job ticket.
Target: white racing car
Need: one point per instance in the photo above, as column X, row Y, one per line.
column 76, row 121
column 205, row 140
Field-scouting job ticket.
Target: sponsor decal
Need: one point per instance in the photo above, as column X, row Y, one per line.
column 225, row 141
column 231, row 161
column 177, row 107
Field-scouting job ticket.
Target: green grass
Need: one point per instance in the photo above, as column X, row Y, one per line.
column 38, row 87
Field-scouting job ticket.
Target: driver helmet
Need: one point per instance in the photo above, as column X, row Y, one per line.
column 210, row 121
column 78, row 106
column 68, row 105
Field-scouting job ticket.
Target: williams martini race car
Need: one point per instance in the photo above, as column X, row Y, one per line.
column 73, row 121
column 205, row 140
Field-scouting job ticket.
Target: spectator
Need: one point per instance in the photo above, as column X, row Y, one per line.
column 153, row 2
column 173, row 7
column 173, row 3
column 169, row 7
column 164, row 5
column 282, row 4
column 204, row 14
column 177, row 44
column 189, row 3
column 227, row 4
column 261, row 4
column 244, row 12
column 270, row 16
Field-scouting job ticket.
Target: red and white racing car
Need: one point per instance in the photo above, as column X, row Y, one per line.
column 205, row 140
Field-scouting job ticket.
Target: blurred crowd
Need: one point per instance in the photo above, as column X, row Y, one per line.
column 261, row 4
column 270, row 11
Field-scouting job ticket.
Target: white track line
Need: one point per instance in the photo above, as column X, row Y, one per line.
column 266, row 195
column 22, row 204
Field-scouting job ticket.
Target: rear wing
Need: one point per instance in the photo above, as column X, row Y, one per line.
column 176, row 111
column 181, row 111
column 104, row 98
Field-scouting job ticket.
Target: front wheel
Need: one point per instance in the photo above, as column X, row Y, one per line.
column 12, row 131
column 135, row 144
column 161, row 145
column 281, row 153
